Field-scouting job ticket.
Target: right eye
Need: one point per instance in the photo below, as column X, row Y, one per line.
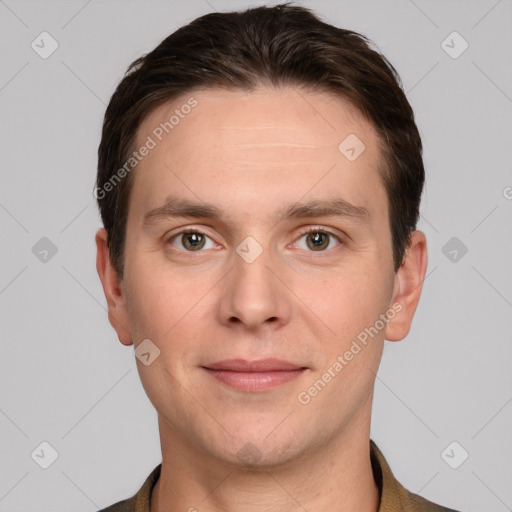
column 190, row 241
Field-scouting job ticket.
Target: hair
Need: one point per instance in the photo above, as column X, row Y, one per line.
column 284, row 45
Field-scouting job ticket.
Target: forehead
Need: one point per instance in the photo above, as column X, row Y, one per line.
column 282, row 114
column 216, row 143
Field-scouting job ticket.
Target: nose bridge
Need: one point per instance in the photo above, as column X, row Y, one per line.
column 253, row 295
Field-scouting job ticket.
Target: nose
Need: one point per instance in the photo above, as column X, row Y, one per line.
column 253, row 297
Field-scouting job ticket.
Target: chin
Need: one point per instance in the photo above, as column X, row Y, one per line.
column 256, row 452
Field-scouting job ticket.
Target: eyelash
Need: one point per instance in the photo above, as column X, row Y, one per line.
column 306, row 231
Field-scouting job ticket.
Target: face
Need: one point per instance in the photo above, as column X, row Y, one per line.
column 275, row 244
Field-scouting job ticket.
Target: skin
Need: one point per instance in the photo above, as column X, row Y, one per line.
column 252, row 154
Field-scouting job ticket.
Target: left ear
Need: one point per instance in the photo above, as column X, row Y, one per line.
column 408, row 285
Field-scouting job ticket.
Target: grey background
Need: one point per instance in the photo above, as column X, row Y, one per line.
column 67, row 380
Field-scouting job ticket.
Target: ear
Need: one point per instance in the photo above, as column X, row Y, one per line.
column 408, row 285
column 112, row 287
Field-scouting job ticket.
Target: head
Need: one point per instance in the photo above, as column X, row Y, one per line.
column 247, row 128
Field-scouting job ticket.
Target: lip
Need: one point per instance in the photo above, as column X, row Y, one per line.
column 260, row 365
column 254, row 376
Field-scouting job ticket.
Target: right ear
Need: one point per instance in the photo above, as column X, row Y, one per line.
column 116, row 301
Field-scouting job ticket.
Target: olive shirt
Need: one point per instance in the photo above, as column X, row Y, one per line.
column 393, row 496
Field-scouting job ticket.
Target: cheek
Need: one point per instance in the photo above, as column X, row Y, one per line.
column 165, row 306
column 151, row 303
column 351, row 303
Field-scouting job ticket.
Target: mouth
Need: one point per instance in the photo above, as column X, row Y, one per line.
column 254, row 376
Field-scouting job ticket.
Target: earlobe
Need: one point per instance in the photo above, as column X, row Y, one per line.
column 408, row 285
column 116, row 303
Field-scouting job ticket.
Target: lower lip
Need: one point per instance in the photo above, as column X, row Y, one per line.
column 253, row 382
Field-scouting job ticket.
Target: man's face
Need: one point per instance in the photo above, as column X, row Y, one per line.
column 252, row 284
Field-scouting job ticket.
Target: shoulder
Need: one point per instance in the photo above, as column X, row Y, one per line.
column 420, row 504
column 121, row 506
column 140, row 502
column 394, row 496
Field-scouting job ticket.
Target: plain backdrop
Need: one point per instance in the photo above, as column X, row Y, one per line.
column 66, row 380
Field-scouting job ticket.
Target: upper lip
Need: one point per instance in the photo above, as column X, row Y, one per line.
column 261, row 365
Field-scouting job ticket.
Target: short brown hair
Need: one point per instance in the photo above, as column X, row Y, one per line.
column 284, row 45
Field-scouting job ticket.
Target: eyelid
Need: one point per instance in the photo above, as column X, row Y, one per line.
column 317, row 229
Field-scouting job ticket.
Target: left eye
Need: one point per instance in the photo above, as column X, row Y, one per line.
column 317, row 240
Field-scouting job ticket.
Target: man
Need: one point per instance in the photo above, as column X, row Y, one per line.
column 259, row 181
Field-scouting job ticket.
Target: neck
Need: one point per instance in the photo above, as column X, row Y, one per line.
column 337, row 476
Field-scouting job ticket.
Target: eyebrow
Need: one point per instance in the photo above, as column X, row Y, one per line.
column 337, row 207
